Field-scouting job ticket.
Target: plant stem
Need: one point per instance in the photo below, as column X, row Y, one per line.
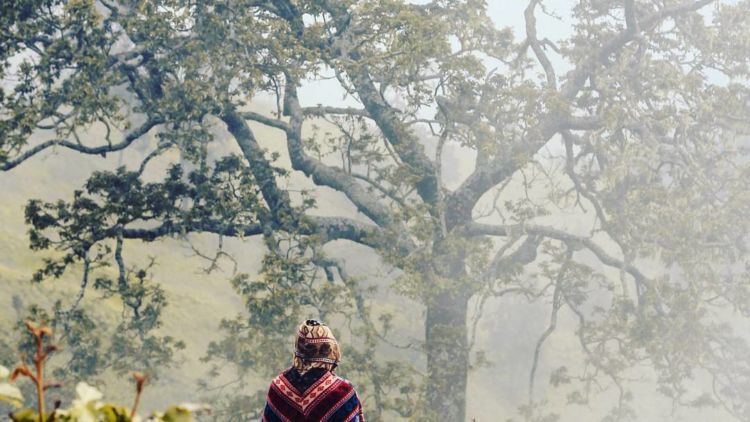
column 135, row 404
column 39, row 363
column 140, row 381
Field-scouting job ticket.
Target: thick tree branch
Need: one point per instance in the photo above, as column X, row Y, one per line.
column 531, row 37
column 277, row 199
column 461, row 202
column 329, row 228
column 525, row 254
column 339, row 228
column 172, row 228
column 268, row 121
column 326, row 110
column 289, row 12
column 131, row 137
column 323, row 174
column 402, row 139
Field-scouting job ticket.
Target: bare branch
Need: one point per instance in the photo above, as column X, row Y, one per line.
column 277, row 199
column 479, row 229
column 268, row 121
column 536, row 47
column 580, row 188
column 630, row 16
column 389, row 193
column 556, row 304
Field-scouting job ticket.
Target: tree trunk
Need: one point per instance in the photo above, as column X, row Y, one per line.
column 447, row 350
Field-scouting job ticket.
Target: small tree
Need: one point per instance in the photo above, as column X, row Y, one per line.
column 638, row 120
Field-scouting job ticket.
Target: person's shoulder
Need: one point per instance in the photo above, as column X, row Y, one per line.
column 288, row 371
column 344, row 381
column 281, row 377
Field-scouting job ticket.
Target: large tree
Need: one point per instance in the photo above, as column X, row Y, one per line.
column 636, row 121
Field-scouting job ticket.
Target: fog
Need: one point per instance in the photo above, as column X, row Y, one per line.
column 533, row 212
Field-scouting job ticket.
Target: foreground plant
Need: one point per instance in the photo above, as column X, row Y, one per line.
column 9, row 393
column 41, row 354
column 87, row 407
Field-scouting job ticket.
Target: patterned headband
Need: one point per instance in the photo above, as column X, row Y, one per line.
column 318, row 359
column 315, row 340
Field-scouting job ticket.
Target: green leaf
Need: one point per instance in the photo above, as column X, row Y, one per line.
column 181, row 413
column 26, row 415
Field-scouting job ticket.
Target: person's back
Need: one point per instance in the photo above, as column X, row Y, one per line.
column 309, row 391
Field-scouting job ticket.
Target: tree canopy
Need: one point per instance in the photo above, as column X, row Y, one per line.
column 634, row 126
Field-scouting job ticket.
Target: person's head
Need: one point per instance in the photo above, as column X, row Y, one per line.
column 315, row 347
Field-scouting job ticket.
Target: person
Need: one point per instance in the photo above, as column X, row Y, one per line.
column 309, row 391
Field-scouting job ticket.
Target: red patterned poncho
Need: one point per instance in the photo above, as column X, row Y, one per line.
column 330, row 399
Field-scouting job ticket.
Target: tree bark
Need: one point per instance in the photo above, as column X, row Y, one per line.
column 447, row 348
column 447, row 356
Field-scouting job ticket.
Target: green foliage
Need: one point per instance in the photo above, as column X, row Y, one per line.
column 634, row 124
column 85, row 229
column 88, row 406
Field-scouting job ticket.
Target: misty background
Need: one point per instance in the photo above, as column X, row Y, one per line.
column 507, row 328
